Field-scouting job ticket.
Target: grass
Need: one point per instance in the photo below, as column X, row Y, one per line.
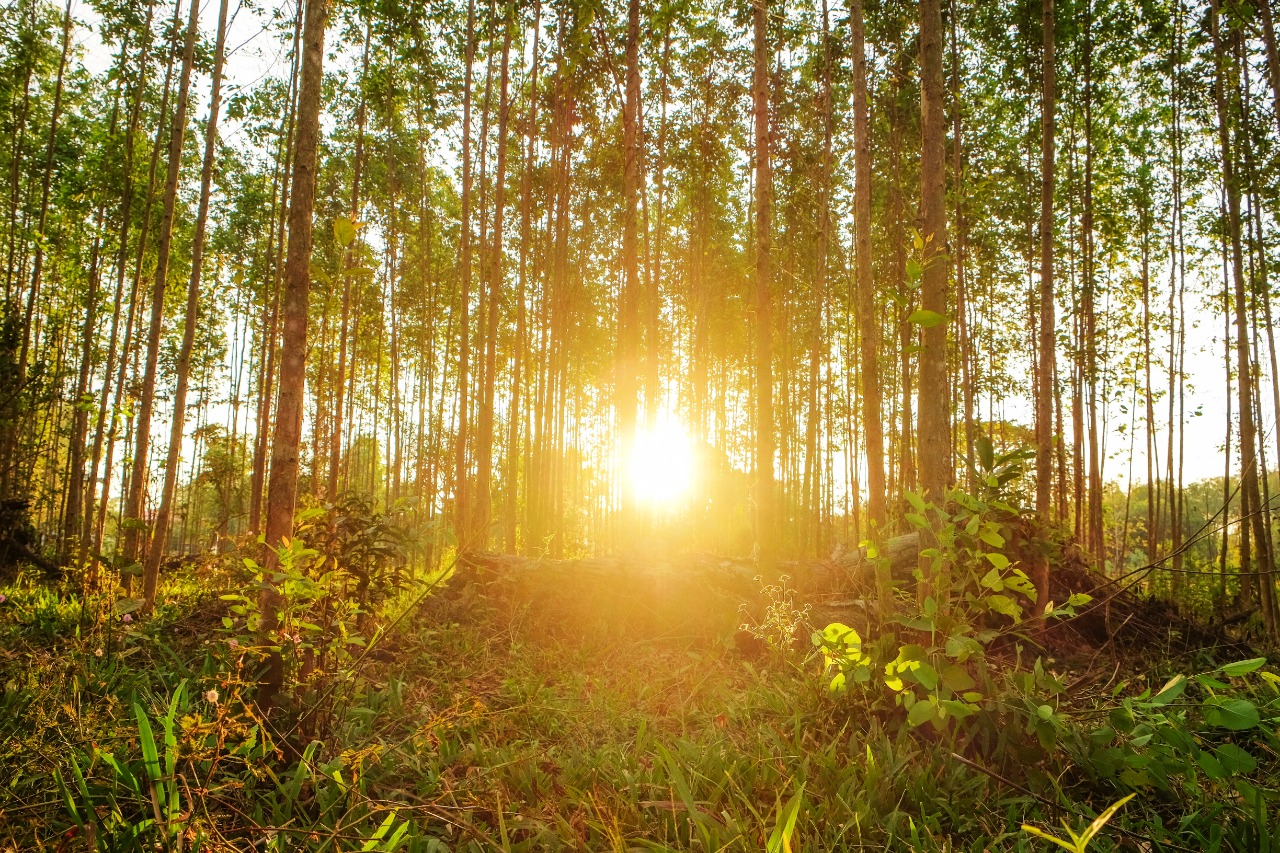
column 482, row 725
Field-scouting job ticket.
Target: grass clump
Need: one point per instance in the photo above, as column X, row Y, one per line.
column 418, row 720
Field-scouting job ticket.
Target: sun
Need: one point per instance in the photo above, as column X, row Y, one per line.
column 661, row 466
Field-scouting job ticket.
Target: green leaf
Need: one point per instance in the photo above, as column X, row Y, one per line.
column 927, row 676
column 921, row 712
column 780, row 838
column 1210, row 682
column 960, row 648
column 344, row 231
column 1244, row 667
column 1005, row 605
column 956, row 678
column 1211, row 766
column 1079, row 599
column 986, row 452
column 925, row 319
column 1235, row 760
column 126, row 605
column 959, row 710
column 838, row 633
column 1237, row 715
column 992, row 538
column 1101, row 820
column 1000, row 561
column 1172, row 689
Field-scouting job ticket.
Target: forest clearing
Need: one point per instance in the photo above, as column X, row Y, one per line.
column 467, row 425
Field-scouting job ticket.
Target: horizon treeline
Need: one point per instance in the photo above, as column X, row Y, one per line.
column 863, row 241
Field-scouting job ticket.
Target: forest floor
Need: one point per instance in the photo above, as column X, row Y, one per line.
column 478, row 724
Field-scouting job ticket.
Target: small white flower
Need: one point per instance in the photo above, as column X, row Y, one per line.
column 211, row 696
column 97, row 653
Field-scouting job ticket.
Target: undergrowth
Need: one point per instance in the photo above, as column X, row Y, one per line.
column 421, row 721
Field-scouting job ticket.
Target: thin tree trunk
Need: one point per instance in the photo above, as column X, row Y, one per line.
column 160, row 528
column 865, row 296
column 282, row 491
column 1251, row 515
column 135, row 506
column 460, row 497
column 764, row 456
column 1047, row 366
column 126, row 218
column 127, row 350
column 37, row 264
column 933, row 433
column 485, row 425
column 627, row 382
column 271, row 300
column 336, row 437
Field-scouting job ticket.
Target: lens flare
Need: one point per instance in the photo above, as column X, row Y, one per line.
column 661, row 465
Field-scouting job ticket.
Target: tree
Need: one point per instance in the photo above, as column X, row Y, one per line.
column 766, row 519
column 282, row 489
column 135, row 507
column 160, row 527
column 934, row 442
column 1047, row 367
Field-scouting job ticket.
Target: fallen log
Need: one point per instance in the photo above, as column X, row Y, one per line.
column 694, row 594
column 711, row 596
column 839, row 574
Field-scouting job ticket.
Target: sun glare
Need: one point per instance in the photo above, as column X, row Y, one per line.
column 661, row 465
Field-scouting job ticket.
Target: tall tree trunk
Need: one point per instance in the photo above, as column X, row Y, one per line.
column 460, row 496
column 9, row 449
column 1096, row 547
column 485, row 424
column 160, row 528
column 135, row 506
column 282, row 490
column 934, row 432
column 73, row 515
column 122, row 257
column 764, row 486
column 271, row 299
column 127, row 349
column 865, row 297
column 1251, row 510
column 37, row 264
column 357, row 167
column 1047, row 367
column 627, row 382
column 515, row 448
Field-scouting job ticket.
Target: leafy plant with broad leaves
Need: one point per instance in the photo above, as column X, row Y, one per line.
column 976, row 594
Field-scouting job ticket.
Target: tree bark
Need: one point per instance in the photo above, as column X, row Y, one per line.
column 627, row 382
column 933, row 434
column 1047, row 367
column 282, row 491
column 135, row 507
column 1251, row 509
column 766, row 536
column 160, row 529
column 485, row 426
